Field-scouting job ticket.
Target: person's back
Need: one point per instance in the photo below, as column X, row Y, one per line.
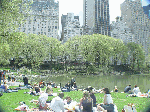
column 94, row 99
column 37, row 89
column 108, row 99
column 42, row 101
column 57, row 103
column 136, row 90
column 87, row 105
column 127, row 89
column 26, row 80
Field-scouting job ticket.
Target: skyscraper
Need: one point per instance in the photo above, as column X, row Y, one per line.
column 133, row 15
column 96, row 16
column 43, row 19
column 70, row 26
column 147, row 10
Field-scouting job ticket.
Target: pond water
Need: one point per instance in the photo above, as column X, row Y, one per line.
column 142, row 81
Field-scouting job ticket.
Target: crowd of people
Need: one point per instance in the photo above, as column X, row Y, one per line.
column 86, row 104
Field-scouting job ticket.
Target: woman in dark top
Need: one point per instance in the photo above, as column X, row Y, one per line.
column 37, row 89
column 86, row 102
column 94, row 99
column 74, row 85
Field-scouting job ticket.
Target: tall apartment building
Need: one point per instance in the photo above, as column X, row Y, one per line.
column 133, row 15
column 70, row 27
column 147, row 10
column 43, row 19
column 121, row 31
column 96, row 16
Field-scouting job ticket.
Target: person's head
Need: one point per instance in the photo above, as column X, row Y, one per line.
column 106, row 91
column 68, row 99
column 86, row 94
column 35, row 84
column 48, row 90
column 74, row 83
column 129, row 85
column 61, row 95
column 91, row 93
column 135, row 86
column 4, row 82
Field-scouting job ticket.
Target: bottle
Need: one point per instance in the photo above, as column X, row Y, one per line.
column 123, row 110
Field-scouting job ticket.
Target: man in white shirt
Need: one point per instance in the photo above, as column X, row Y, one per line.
column 57, row 103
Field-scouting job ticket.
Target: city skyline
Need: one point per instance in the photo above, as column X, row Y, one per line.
column 76, row 7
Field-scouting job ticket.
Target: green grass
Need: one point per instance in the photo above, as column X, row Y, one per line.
column 9, row 101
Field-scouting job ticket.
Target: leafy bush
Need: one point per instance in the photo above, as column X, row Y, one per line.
column 91, row 69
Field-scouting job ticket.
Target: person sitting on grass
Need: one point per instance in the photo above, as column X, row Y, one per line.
column 67, row 85
column 67, row 100
column 5, row 87
column 115, row 90
column 54, row 85
column 86, row 103
column 9, row 78
column 25, row 80
column 36, row 88
column 42, row 101
column 75, row 86
column 108, row 102
column 57, row 103
column 136, row 90
column 127, row 89
column 41, row 85
column 94, row 98
column 49, row 90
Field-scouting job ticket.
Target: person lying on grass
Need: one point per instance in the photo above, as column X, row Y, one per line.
column 108, row 102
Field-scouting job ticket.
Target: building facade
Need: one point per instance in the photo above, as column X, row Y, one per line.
column 121, row 31
column 133, row 15
column 43, row 19
column 96, row 16
column 147, row 10
column 70, row 27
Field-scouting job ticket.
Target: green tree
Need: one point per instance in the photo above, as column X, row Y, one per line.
column 12, row 12
column 33, row 50
column 136, row 56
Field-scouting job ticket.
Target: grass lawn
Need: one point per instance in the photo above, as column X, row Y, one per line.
column 9, row 101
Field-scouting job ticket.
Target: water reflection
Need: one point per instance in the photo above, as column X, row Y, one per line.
column 142, row 81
